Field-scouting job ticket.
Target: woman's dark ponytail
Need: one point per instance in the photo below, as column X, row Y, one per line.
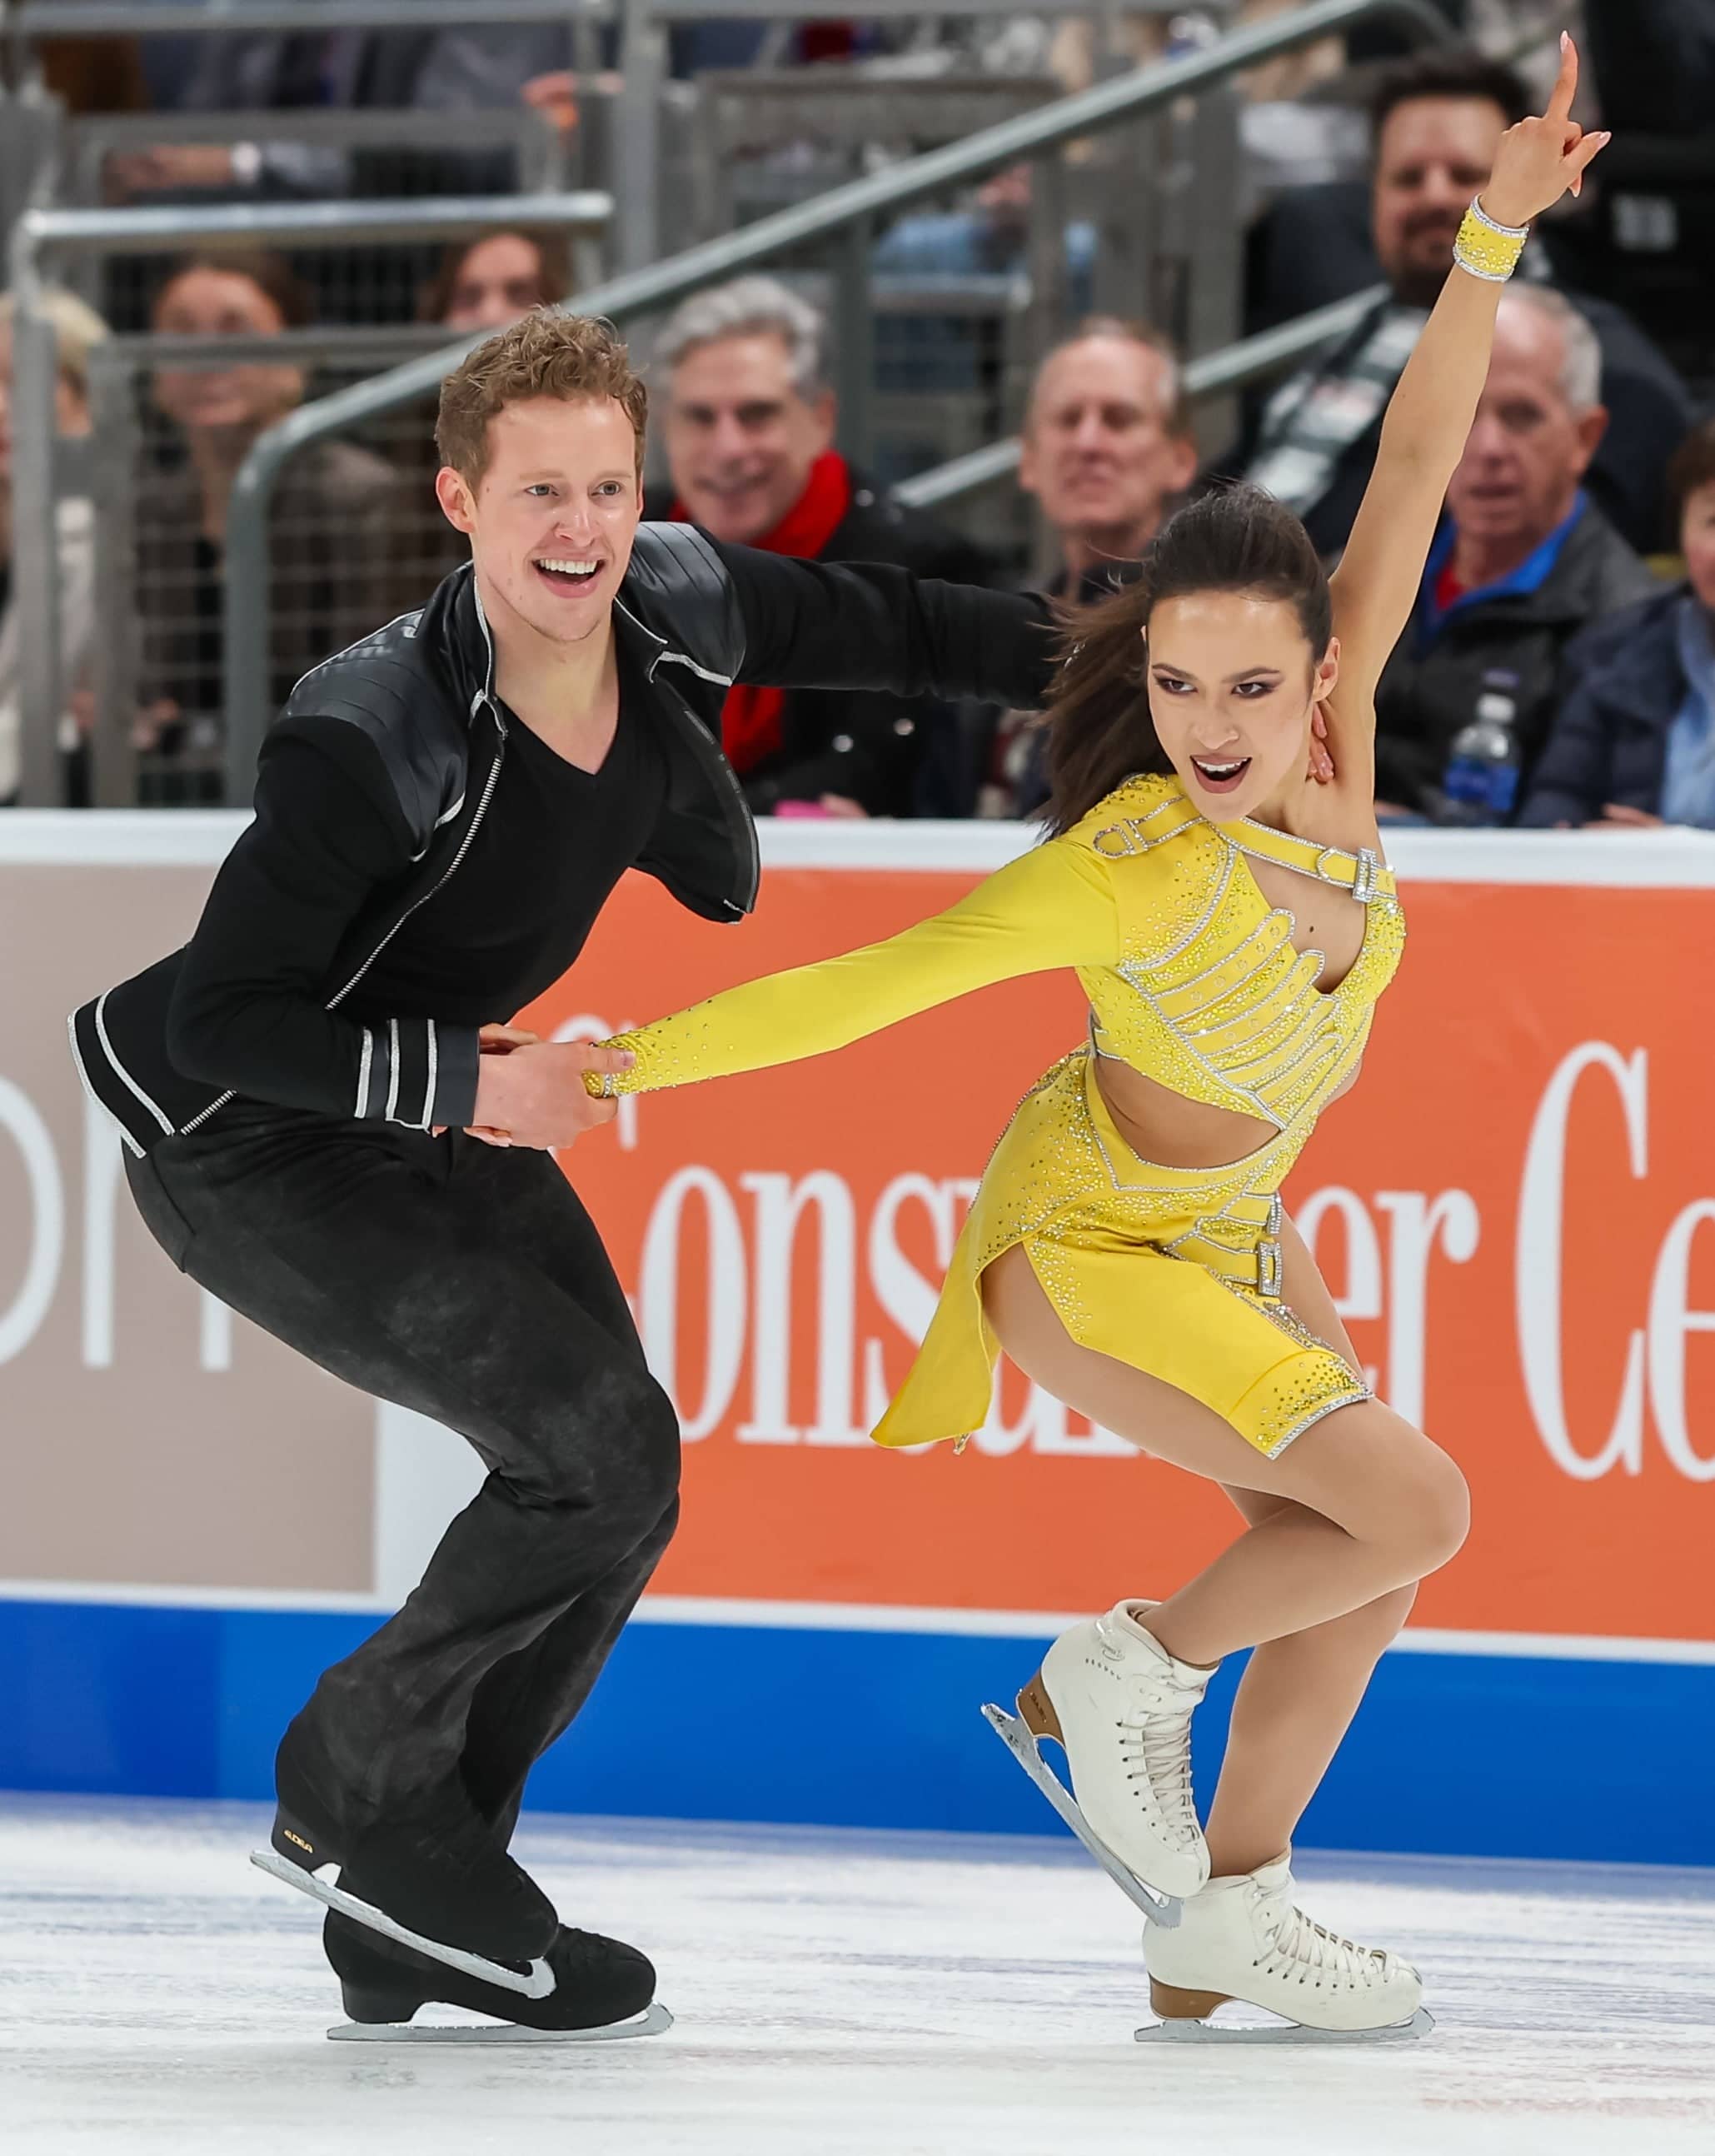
column 1232, row 539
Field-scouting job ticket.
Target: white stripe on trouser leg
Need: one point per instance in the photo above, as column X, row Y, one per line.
column 429, row 1082
column 363, row 1064
column 392, row 1076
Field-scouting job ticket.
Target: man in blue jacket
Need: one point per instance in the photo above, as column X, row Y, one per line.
column 1633, row 745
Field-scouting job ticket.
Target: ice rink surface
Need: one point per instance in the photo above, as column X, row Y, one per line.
column 898, row 1995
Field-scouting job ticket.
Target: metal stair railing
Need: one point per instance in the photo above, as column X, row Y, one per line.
column 1251, row 359
column 843, row 218
column 163, row 230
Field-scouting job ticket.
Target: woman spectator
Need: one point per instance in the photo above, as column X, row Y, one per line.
column 77, row 328
column 329, row 526
column 488, row 282
column 483, row 284
column 1633, row 746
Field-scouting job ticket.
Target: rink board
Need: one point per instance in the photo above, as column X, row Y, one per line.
column 1516, row 1211
column 1453, row 1754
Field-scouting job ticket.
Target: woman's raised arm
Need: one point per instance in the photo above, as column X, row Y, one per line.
column 1431, row 413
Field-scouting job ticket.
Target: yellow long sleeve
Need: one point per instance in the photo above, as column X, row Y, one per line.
column 1054, row 906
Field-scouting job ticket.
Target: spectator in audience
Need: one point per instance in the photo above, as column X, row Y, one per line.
column 331, row 517
column 1436, row 122
column 1106, row 449
column 488, row 282
column 471, row 67
column 482, row 284
column 1633, row 745
column 1524, row 560
column 749, row 431
column 1653, row 62
column 77, row 329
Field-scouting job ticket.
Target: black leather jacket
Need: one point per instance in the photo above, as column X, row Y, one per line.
column 694, row 616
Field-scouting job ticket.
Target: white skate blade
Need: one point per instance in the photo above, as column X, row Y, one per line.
column 1283, row 2032
column 1020, row 1740
column 537, row 1985
column 652, row 2021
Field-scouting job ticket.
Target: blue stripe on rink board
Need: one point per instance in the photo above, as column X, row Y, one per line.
column 1456, row 1755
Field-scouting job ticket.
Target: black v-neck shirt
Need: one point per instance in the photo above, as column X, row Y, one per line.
column 551, row 843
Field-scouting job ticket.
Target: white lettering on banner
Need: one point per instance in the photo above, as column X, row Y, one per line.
column 658, row 1295
column 780, row 1205
column 752, row 1261
column 46, row 1244
column 1670, row 1322
column 214, row 1334
column 760, row 1319
column 102, row 1168
column 1415, row 1226
column 1362, row 1297
column 1539, row 1258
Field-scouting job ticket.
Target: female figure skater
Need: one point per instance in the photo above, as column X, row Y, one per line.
column 1232, row 926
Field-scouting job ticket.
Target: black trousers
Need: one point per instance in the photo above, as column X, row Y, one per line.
column 468, row 1282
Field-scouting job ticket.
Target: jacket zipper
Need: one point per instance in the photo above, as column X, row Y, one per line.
column 488, row 788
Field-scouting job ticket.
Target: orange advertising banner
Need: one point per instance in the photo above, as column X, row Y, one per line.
column 1515, row 1210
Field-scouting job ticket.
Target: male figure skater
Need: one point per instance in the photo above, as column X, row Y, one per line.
column 441, row 812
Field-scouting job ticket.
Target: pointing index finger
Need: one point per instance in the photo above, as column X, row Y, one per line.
column 1565, row 83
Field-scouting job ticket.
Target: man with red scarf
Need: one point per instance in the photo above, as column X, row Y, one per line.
column 749, row 430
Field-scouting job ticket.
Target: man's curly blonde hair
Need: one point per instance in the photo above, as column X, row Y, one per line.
column 573, row 357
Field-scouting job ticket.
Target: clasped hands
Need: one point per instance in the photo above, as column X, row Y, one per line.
column 531, row 1091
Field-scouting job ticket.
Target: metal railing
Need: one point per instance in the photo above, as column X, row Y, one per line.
column 1251, row 359
column 169, row 231
column 538, row 147
column 636, row 177
column 844, row 215
column 124, row 18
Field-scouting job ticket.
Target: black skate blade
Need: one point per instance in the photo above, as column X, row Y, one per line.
column 1282, row 2032
column 537, row 1984
column 654, row 2021
column 1020, row 1740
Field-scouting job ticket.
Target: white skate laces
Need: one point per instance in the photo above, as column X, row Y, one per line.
column 1159, row 1743
column 1155, row 1733
column 1297, row 1948
column 1121, row 1705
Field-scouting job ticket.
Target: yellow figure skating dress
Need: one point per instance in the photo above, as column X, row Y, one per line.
column 1194, row 981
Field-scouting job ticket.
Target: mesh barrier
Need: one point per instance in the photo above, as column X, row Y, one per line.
column 356, row 533
column 356, row 537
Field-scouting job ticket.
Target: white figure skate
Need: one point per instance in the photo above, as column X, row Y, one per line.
column 1119, row 1706
column 1244, row 1939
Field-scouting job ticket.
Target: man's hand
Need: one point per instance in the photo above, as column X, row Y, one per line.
column 555, row 94
column 1616, row 816
column 151, row 723
column 168, row 165
column 534, row 1094
column 495, row 1039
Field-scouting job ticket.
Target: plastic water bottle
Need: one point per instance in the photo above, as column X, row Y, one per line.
column 1480, row 782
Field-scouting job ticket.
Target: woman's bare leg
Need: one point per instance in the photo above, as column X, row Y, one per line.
column 1296, row 1698
column 1294, row 1704
column 1375, row 1505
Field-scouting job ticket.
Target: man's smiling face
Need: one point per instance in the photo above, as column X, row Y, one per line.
column 551, row 518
